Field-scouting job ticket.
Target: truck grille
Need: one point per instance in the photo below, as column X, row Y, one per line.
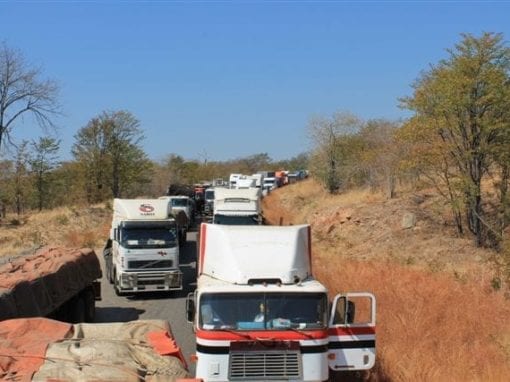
column 149, row 264
column 264, row 365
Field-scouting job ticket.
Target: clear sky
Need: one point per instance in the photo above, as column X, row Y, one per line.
column 226, row 79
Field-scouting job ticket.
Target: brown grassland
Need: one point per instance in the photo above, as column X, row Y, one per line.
column 74, row 227
column 438, row 317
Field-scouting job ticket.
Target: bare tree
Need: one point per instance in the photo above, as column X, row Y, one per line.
column 331, row 137
column 22, row 91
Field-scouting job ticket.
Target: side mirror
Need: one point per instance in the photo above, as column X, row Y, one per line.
column 116, row 234
column 190, row 308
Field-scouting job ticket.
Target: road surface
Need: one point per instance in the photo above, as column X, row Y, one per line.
column 168, row 306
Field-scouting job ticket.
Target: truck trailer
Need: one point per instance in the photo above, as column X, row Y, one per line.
column 56, row 282
column 259, row 314
column 142, row 252
column 237, row 206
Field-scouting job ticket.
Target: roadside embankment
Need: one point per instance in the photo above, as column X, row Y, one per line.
column 439, row 318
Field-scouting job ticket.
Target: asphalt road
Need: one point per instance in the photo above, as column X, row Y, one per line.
column 168, row 306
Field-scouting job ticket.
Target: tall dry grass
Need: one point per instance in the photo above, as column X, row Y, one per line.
column 432, row 325
column 429, row 327
column 66, row 226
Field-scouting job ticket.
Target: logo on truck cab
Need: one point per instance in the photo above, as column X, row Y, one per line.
column 146, row 209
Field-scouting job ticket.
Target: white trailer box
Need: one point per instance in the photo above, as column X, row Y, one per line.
column 237, row 206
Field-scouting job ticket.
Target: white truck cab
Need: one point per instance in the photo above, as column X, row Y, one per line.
column 259, row 314
column 142, row 253
column 181, row 203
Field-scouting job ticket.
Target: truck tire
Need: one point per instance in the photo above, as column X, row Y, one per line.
column 90, row 305
column 182, row 238
column 76, row 312
column 109, row 273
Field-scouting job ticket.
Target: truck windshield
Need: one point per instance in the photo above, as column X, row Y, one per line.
column 263, row 311
column 209, row 194
column 179, row 202
column 236, row 220
column 148, row 238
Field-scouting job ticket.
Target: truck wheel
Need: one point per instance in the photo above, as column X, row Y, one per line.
column 109, row 273
column 90, row 305
column 182, row 239
column 77, row 310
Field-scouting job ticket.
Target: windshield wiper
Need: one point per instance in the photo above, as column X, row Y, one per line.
column 228, row 330
column 301, row 331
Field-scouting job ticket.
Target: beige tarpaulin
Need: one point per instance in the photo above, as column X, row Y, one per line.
column 135, row 351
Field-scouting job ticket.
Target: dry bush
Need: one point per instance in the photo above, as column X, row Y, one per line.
column 429, row 327
column 67, row 226
column 438, row 318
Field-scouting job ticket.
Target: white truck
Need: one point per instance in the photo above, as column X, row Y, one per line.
column 232, row 180
column 245, row 181
column 142, row 252
column 259, row 314
column 237, row 206
column 182, row 203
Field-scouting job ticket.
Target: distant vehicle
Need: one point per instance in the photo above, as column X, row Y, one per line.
column 237, row 206
column 259, row 179
column 245, row 181
column 209, row 202
column 270, row 184
column 182, row 203
column 233, row 180
column 292, row 177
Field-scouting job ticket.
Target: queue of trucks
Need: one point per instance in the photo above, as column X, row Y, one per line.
column 257, row 311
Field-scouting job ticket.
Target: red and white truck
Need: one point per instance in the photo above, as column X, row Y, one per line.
column 259, row 314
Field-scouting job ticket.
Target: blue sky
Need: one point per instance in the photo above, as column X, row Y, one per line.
column 223, row 80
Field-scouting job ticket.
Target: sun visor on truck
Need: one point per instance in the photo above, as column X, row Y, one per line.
column 237, row 254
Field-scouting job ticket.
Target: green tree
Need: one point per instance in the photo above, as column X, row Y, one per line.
column 463, row 103
column 43, row 160
column 109, row 149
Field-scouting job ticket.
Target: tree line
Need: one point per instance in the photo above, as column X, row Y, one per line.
column 456, row 140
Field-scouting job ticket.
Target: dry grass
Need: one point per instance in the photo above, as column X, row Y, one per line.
column 67, row 226
column 438, row 317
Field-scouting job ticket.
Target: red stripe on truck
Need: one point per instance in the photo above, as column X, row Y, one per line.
column 203, row 230
column 269, row 335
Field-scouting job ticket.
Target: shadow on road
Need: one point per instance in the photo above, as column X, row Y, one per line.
column 117, row 314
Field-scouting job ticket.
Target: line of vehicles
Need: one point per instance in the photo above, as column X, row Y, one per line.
column 257, row 311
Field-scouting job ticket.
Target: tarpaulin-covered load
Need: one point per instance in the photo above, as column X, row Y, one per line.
column 37, row 284
column 40, row 349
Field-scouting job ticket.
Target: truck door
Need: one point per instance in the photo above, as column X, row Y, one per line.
column 352, row 332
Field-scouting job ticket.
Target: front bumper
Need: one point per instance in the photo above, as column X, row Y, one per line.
column 150, row 281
